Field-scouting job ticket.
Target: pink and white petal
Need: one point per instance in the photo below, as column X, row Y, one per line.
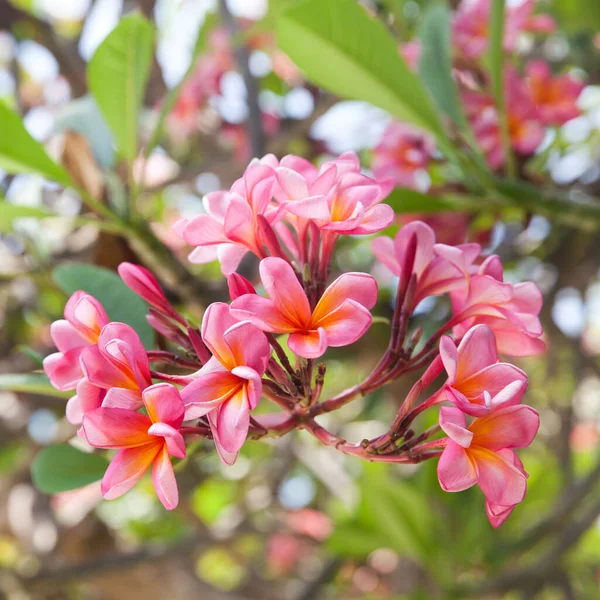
column 204, row 230
column 308, row 344
column 164, row 404
column 425, row 242
column 510, row 395
column 163, row 479
column 346, row 222
column 494, row 379
column 500, row 481
column 127, row 468
column 89, row 396
column 230, row 256
column 64, row 370
column 367, row 195
column 208, row 392
column 449, row 356
column 65, row 336
column 475, row 407
column 376, row 218
column 476, row 351
column 292, row 183
column 203, row 254
column 314, row 208
column 216, row 203
column 249, row 346
column 359, row 287
column 73, row 411
column 506, row 427
column 383, row 249
column 253, row 384
column 87, row 315
column 454, row 425
column 262, row 313
column 227, row 458
column 123, row 398
column 239, row 223
column 173, row 439
column 346, row 324
column 492, row 266
column 233, row 421
column 285, row 290
column 324, row 182
column 456, row 472
column 216, row 321
column 116, row 428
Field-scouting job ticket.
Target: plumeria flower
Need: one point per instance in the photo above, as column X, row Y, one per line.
column 403, row 154
column 340, row 317
column 119, row 364
column 229, row 385
column 229, row 229
column 439, row 268
column 510, row 311
column 554, row 97
column 477, row 383
column 142, row 441
column 483, row 454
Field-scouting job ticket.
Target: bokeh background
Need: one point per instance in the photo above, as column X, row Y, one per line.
column 291, row 520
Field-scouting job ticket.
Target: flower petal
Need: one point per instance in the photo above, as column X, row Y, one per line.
column 233, row 421
column 65, row 336
column 116, row 428
column 216, row 321
column 383, row 249
column 208, row 392
column 253, row 384
column 164, row 404
column 506, row 427
column 376, row 218
column 163, row 478
column 346, row 324
column 127, row 468
column 173, row 439
column 249, row 346
column 359, row 287
column 456, row 472
column 123, row 398
column 64, row 370
column 262, row 313
column 308, row 344
column 476, row 350
column 454, row 425
column 449, row 356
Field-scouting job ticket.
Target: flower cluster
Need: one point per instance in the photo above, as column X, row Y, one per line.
column 290, row 214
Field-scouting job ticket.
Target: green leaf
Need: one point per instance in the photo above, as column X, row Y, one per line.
column 62, row 468
column 117, row 76
column 120, row 303
column 435, row 63
column 345, row 51
column 353, row 541
column 406, row 200
column 9, row 212
column 576, row 15
column 33, row 383
column 21, row 153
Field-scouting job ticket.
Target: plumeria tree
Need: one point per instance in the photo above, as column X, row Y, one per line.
column 254, row 285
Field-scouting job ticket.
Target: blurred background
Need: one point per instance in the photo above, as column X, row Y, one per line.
column 291, row 519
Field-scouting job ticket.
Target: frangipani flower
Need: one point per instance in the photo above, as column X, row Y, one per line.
column 119, row 364
column 229, row 385
column 143, row 440
column 482, row 454
column 439, row 268
column 554, row 97
column 403, row 154
column 477, row 382
column 340, row 317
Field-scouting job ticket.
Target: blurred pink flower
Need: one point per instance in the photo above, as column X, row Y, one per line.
column 340, row 317
column 554, row 97
column 411, row 53
column 229, row 385
column 143, row 440
column 482, row 454
column 403, row 154
column 477, row 383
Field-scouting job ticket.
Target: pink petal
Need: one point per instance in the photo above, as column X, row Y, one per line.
column 123, row 398
column 230, row 256
column 143, row 283
column 383, row 249
column 497, row 514
column 456, row 472
column 89, row 396
column 163, row 478
column 493, row 379
column 65, row 336
column 454, row 425
column 73, row 411
column 127, row 468
column 249, row 346
column 478, row 406
column 216, row 203
column 64, row 370
column 449, row 356
column 173, row 439
column 253, row 384
column 285, row 290
column 116, row 428
column 216, row 321
column 359, row 287
column 239, row 223
column 376, row 218
column 425, row 241
column 476, row 350
column 500, row 481
column 208, row 392
column 87, row 315
column 164, row 404
column 227, row 458
column 314, row 208
column 345, row 324
column 263, row 313
column 309, row 344
column 292, row 183
column 238, row 286
column 203, row 254
column 233, row 421
column 103, row 373
column 204, row 230
column 506, row 427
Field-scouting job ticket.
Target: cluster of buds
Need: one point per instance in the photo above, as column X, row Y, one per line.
column 290, row 215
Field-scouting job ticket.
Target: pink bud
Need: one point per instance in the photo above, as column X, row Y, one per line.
column 199, row 346
column 145, row 285
column 166, row 327
column 239, row 286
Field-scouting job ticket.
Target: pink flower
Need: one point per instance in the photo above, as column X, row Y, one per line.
column 403, row 154
column 340, row 317
column 238, row 285
column 482, row 454
column 229, row 385
column 119, row 364
column 411, row 53
column 555, row 97
column 145, row 285
column 510, row 311
column 439, row 268
column 471, row 26
column 142, row 440
column 229, row 229
column 477, row 383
